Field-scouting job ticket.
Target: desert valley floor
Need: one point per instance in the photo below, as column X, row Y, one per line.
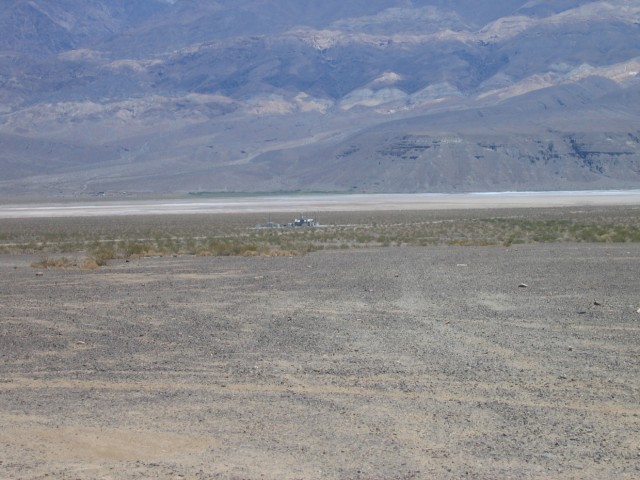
column 377, row 363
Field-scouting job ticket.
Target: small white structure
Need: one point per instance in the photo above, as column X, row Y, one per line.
column 302, row 221
column 305, row 222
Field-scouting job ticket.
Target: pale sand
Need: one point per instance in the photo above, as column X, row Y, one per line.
column 325, row 203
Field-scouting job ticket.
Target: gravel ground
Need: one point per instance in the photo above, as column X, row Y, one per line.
column 359, row 364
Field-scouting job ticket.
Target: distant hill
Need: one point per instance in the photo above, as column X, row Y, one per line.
column 112, row 97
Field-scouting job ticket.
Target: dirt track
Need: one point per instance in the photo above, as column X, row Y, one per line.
column 394, row 363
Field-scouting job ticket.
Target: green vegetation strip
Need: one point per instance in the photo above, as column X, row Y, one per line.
column 104, row 239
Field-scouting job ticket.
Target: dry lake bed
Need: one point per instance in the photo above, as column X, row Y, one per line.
column 436, row 361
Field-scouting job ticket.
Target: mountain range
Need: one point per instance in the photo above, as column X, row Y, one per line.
column 113, row 97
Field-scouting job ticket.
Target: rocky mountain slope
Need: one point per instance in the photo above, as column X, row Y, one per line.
column 175, row 96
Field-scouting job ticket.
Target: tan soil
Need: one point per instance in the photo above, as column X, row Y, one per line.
column 375, row 364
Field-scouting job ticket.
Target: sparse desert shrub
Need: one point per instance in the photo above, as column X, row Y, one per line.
column 90, row 264
column 102, row 253
column 105, row 239
column 249, row 247
column 133, row 248
column 470, row 242
column 48, row 262
column 87, row 263
column 619, row 237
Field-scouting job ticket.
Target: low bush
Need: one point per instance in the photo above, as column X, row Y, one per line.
column 102, row 253
column 48, row 262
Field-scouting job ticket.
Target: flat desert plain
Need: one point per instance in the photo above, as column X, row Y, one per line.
column 221, row 204
column 437, row 362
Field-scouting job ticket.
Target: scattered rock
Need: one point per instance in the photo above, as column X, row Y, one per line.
column 597, row 303
column 229, row 330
